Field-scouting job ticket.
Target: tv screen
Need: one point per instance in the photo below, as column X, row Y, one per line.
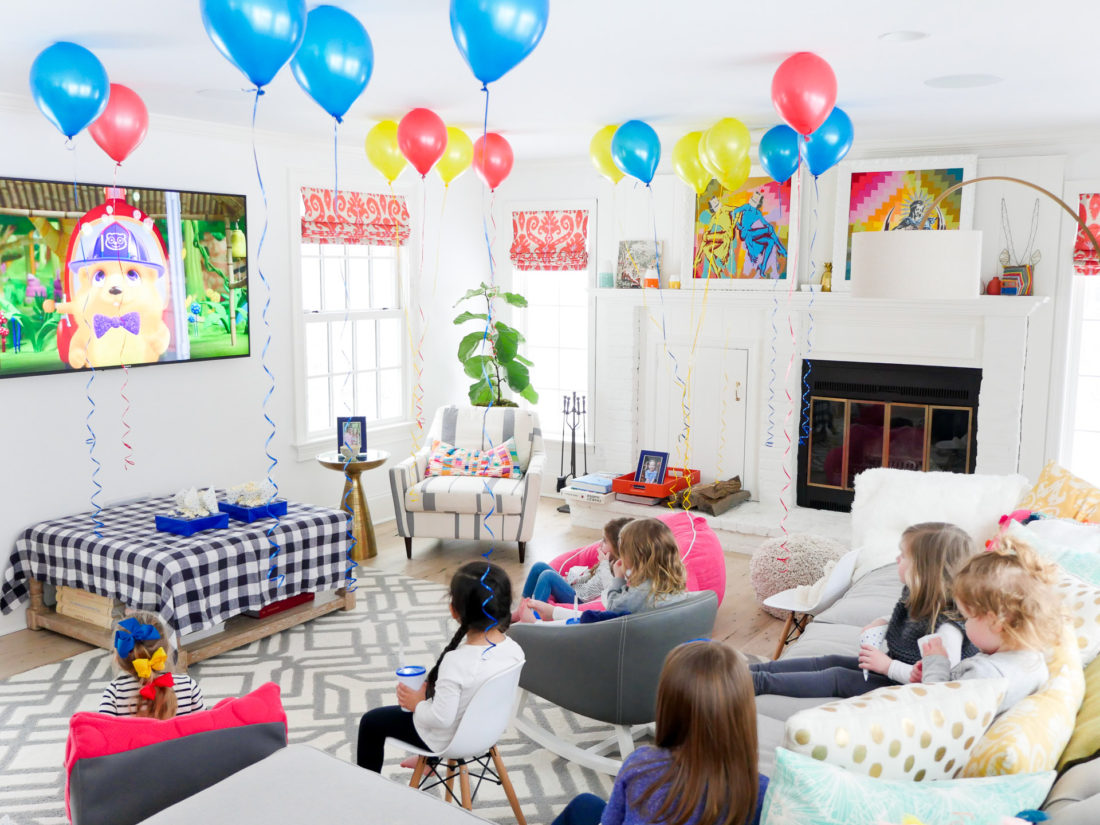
column 104, row 276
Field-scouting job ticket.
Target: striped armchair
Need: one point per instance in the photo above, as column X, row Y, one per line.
column 455, row 507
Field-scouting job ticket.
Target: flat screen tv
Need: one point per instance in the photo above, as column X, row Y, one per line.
column 103, row 276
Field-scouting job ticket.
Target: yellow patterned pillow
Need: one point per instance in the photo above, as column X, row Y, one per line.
column 1085, row 741
column 1031, row 735
column 912, row 732
column 1061, row 494
column 1081, row 602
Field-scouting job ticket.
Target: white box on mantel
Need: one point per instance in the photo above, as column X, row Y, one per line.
column 908, row 264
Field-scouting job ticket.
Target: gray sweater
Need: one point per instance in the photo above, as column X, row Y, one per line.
column 624, row 598
column 1024, row 670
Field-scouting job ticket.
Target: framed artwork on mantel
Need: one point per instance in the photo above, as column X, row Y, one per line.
column 744, row 239
column 893, row 194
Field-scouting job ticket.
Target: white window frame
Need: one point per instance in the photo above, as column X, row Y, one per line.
column 519, row 284
column 1069, row 307
column 390, row 432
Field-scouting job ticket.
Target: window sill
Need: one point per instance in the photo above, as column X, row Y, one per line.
column 392, row 437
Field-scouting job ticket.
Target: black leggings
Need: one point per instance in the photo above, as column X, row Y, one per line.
column 817, row 676
column 379, row 724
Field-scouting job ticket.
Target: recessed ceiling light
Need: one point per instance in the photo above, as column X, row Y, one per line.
column 902, row 36
column 962, row 81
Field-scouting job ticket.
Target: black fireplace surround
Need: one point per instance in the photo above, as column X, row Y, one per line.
column 857, row 415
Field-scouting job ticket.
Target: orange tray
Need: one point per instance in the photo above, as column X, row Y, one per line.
column 676, row 478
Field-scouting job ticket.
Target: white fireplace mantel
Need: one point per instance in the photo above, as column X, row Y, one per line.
column 635, row 327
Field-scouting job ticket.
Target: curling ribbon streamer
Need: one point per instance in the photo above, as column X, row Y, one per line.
column 273, row 569
column 792, row 267
column 349, row 572
column 128, row 458
column 804, row 436
column 769, row 440
column 725, row 396
column 91, row 442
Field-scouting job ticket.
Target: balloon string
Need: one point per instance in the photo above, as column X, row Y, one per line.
column 349, row 572
column 791, row 406
column 128, row 458
column 769, row 439
column 91, row 442
column 418, row 356
column 414, row 495
column 485, row 340
column 273, row 569
column 725, row 395
column 804, row 436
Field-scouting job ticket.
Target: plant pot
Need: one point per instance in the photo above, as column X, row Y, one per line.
column 504, row 403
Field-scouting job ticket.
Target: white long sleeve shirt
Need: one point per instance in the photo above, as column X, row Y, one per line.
column 461, row 673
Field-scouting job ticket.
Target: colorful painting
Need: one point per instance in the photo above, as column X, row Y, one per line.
column 896, row 196
column 742, row 235
column 99, row 276
column 636, row 258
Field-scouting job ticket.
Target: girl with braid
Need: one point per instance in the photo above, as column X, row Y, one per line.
column 481, row 599
column 930, row 555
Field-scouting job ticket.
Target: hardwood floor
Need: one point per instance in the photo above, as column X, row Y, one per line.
column 740, row 622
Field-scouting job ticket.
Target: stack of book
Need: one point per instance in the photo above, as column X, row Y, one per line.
column 88, row 607
column 593, row 487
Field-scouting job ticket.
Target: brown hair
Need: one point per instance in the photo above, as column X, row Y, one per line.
column 611, row 532
column 649, row 549
column 163, row 704
column 706, row 718
column 1013, row 584
column 936, row 551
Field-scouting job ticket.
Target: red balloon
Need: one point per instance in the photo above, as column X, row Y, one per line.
column 492, row 159
column 804, row 91
column 122, row 126
column 422, row 138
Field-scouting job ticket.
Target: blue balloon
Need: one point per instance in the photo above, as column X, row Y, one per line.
column 779, row 152
column 495, row 35
column 636, row 150
column 335, row 60
column 70, row 86
column 829, row 143
column 258, row 36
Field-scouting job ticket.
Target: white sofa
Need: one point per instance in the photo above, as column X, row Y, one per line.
column 471, row 507
column 886, row 502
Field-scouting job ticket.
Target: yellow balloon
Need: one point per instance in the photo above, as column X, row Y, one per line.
column 725, row 145
column 685, row 161
column 736, row 179
column 600, row 152
column 382, row 150
column 456, row 157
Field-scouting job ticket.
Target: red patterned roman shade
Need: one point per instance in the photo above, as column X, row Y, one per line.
column 1085, row 260
column 360, row 218
column 553, row 239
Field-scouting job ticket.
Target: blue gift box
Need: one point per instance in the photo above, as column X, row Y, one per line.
column 190, row 526
column 249, row 514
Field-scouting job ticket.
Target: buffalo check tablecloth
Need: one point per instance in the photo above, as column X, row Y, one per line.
column 192, row 582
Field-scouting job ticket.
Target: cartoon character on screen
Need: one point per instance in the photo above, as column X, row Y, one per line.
column 118, row 294
column 762, row 244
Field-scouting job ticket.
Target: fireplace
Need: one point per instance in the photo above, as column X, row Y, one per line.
column 860, row 416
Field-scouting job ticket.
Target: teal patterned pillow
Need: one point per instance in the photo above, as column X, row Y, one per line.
column 803, row 790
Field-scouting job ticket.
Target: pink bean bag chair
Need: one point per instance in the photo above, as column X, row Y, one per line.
column 699, row 548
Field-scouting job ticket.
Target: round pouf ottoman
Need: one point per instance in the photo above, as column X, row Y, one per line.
column 806, row 557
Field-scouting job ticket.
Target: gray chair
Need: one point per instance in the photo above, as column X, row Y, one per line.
column 612, row 673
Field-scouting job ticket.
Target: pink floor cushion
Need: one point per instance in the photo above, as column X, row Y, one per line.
column 699, row 548
column 104, row 753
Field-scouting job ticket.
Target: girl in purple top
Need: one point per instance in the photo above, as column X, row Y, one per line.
column 703, row 769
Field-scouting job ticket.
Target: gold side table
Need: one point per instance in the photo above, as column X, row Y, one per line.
column 353, row 501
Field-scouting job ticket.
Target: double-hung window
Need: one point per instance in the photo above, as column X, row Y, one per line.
column 355, row 341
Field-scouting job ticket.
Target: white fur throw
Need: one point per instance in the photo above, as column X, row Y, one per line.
column 887, row 501
column 807, row 557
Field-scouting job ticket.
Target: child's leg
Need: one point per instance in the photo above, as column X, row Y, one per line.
column 839, row 682
column 552, row 583
column 378, row 724
column 584, row 809
column 533, row 577
column 806, row 664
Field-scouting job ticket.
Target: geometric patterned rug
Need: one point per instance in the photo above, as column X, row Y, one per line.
column 330, row 671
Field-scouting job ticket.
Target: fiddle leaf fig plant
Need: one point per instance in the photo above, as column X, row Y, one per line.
column 490, row 355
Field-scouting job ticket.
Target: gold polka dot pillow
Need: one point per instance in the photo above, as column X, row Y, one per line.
column 1081, row 602
column 913, row 732
column 1031, row 735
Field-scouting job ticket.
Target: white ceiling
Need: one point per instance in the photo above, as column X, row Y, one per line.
column 679, row 65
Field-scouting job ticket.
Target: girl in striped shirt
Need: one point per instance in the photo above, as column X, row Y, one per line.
column 147, row 687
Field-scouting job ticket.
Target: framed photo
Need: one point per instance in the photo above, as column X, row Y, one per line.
column 894, row 194
column 744, row 239
column 351, row 432
column 651, row 467
column 635, row 259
